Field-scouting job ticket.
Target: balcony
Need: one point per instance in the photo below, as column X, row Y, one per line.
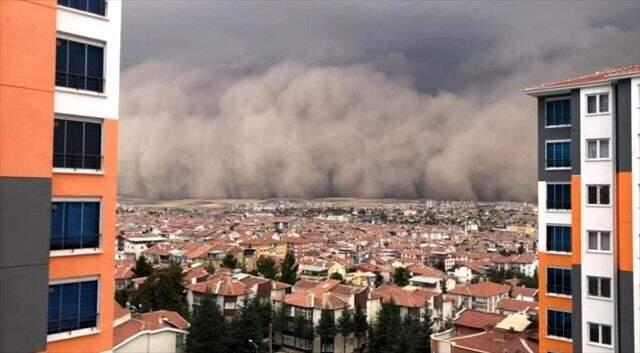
column 77, row 161
column 72, row 323
column 80, row 82
column 96, row 7
column 74, row 242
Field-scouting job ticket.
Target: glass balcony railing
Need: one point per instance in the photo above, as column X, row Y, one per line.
column 72, row 242
column 72, row 323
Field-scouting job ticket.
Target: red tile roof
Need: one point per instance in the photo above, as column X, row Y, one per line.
column 495, row 342
column 516, row 305
column 482, row 289
column 478, row 319
column 591, row 78
column 392, row 294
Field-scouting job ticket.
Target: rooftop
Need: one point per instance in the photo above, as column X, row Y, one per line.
column 586, row 79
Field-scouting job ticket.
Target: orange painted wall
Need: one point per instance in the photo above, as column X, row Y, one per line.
column 623, row 221
column 27, row 62
column 576, row 221
column 102, row 265
column 551, row 302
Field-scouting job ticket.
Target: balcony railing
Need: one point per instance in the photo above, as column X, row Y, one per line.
column 77, row 161
column 72, row 242
column 72, row 323
column 87, row 83
column 558, row 205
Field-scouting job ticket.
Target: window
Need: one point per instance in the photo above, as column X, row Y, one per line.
column 598, row 149
column 599, row 241
column 598, row 194
column 599, row 286
column 75, row 225
column 558, row 281
column 94, row 6
column 559, row 324
column 558, row 154
column 79, row 65
column 558, row 196
column 599, row 333
column 558, row 112
column 598, row 103
column 559, row 238
column 77, row 144
column 230, row 302
column 72, row 306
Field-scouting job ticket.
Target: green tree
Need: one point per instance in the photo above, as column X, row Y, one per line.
column 427, row 328
column 280, row 317
column 440, row 265
column 208, row 328
column 211, row 268
column 289, row 269
column 143, row 268
column 337, row 276
column 345, row 326
column 401, row 276
column 303, row 327
column 123, row 296
column 360, row 326
column 162, row 291
column 326, row 328
column 266, row 266
column 411, row 335
column 251, row 322
column 384, row 335
column 229, row 261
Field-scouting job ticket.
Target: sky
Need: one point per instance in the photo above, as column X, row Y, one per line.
column 361, row 99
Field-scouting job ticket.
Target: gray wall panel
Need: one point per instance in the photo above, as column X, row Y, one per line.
column 23, row 309
column 576, row 146
column 25, row 216
column 576, row 301
column 623, row 125
column 625, row 311
column 545, row 134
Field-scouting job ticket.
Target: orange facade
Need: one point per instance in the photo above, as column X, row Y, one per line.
column 624, row 239
column 27, row 73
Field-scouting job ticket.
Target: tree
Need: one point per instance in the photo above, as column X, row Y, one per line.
column 251, row 322
column 443, row 285
column 229, row 261
column 266, row 266
column 411, row 335
column 384, row 335
column 211, row 268
column 360, row 325
column 122, row 296
column 521, row 249
column 303, row 328
column 162, row 291
column 208, row 328
column 280, row 317
column 289, row 269
column 143, row 268
column 427, row 328
column 345, row 326
column 326, row 328
column 337, row 276
column 401, row 276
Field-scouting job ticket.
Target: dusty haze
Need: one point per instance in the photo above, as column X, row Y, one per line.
column 343, row 100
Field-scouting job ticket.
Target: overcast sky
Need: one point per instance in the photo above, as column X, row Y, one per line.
column 411, row 99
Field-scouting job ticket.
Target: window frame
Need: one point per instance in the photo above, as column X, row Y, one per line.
column 598, row 195
column 548, row 249
column 546, row 149
column 598, row 142
column 83, row 331
column 546, row 117
column 81, row 251
column 549, row 209
column 598, row 234
column 599, row 287
column 600, row 335
column 83, row 119
column 561, row 285
column 563, row 338
column 597, row 97
column 86, row 41
column 86, row 12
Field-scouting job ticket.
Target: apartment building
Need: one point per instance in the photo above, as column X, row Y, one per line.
column 59, row 82
column 588, row 200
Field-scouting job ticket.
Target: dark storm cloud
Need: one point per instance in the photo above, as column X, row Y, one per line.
column 242, row 99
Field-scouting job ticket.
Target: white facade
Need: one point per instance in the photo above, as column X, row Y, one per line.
column 166, row 340
column 597, row 217
column 102, row 31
